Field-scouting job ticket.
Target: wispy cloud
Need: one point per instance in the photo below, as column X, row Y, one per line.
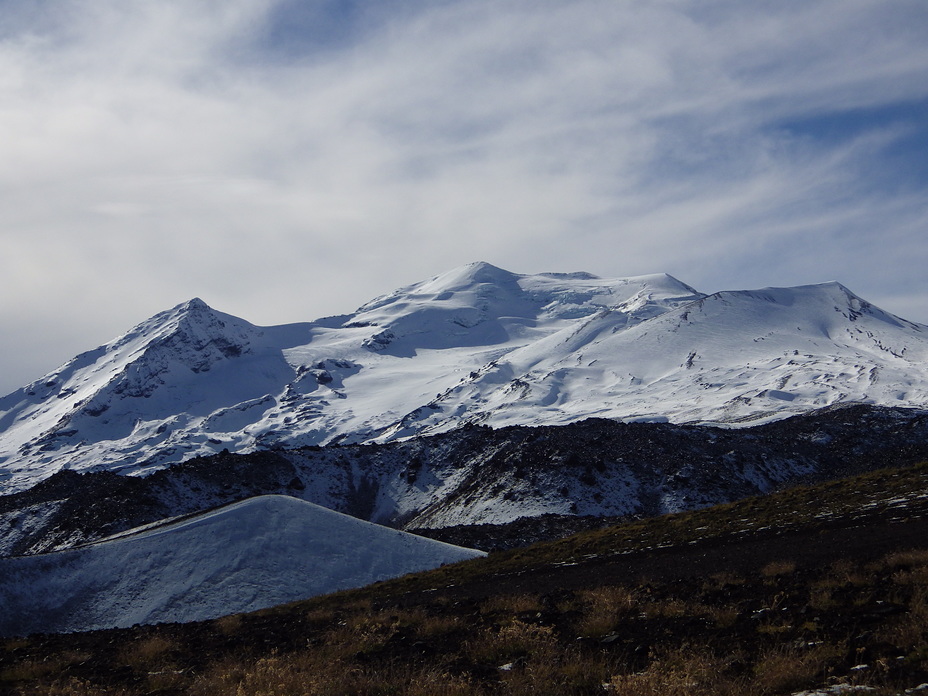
column 287, row 159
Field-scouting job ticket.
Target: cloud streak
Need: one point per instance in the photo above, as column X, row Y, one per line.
column 286, row 160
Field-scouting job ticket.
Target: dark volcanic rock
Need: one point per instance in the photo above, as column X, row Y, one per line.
column 475, row 482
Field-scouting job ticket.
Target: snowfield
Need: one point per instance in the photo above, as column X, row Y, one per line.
column 475, row 345
column 250, row 555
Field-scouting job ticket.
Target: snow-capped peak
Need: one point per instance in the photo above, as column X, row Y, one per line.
column 469, row 275
column 193, row 321
column 443, row 309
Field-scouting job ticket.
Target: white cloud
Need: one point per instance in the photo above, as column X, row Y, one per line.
column 152, row 152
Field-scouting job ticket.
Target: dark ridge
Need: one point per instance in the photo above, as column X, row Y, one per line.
column 672, row 467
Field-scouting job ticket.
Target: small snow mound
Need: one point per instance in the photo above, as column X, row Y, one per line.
column 246, row 556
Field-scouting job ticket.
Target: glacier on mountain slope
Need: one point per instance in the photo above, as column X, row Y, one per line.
column 258, row 553
column 475, row 345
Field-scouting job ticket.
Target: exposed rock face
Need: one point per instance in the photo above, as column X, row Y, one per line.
column 479, row 476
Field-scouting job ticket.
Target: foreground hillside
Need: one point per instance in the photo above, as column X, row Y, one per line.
column 821, row 587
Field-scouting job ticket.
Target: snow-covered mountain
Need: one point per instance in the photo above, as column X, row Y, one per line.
column 475, row 345
column 258, row 553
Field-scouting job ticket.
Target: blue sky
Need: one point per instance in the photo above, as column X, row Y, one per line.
column 289, row 159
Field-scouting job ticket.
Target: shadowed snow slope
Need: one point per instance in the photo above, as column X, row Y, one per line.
column 475, row 345
column 250, row 555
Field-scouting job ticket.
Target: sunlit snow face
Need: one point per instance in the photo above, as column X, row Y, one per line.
column 477, row 344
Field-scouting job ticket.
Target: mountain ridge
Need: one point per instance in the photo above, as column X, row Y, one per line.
column 477, row 344
column 562, row 477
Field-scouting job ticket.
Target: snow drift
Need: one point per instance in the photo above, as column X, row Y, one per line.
column 258, row 553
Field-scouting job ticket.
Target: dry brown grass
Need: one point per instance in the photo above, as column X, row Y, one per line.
column 723, row 616
column 603, row 609
column 40, row 669
column 321, row 673
column 516, row 604
column 777, row 568
column 685, row 671
column 783, row 669
column 910, row 579
column 905, row 560
column 229, row 625
column 496, row 647
column 566, row 673
column 80, row 687
column 320, row 616
column 148, row 652
column 844, row 572
column 725, row 579
column 822, row 598
column 431, row 627
column 14, row 643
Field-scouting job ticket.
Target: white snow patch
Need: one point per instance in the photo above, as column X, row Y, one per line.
column 254, row 554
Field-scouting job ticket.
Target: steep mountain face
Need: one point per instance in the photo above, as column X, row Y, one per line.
column 477, row 345
column 264, row 551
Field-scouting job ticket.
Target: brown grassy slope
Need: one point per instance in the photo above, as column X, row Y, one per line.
column 765, row 596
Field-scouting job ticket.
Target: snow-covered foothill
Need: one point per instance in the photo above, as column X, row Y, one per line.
column 477, row 345
column 250, row 555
